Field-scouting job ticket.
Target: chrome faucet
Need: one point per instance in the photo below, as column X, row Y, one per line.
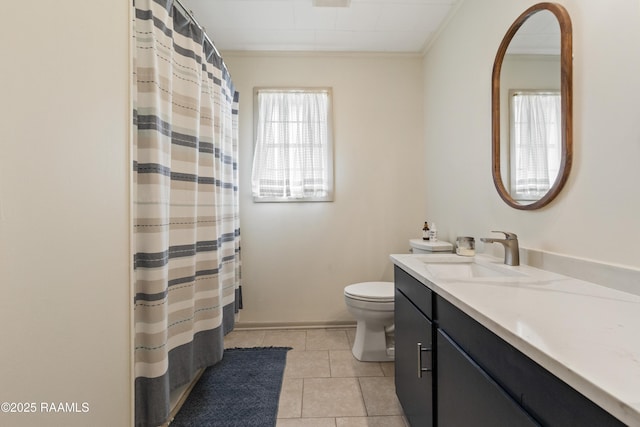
column 510, row 243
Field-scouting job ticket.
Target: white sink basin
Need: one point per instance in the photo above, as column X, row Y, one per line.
column 471, row 269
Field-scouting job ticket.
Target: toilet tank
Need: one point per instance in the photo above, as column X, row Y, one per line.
column 419, row 246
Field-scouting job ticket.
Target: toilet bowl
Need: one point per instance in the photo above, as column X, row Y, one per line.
column 371, row 303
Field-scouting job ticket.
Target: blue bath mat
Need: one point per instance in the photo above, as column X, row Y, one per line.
column 241, row 390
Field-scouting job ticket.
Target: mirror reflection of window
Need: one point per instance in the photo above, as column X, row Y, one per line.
column 535, row 123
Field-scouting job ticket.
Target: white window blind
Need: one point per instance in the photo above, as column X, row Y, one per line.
column 293, row 148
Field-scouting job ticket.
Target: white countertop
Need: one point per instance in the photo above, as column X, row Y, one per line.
column 586, row 334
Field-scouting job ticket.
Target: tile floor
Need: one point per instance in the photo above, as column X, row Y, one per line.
column 323, row 384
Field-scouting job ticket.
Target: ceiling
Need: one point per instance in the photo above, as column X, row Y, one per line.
column 404, row 26
column 540, row 34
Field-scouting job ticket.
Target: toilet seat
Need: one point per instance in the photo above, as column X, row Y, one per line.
column 378, row 292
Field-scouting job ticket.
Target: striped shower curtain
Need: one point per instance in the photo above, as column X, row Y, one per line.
column 185, row 190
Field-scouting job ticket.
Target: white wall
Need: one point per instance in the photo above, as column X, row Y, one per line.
column 64, row 211
column 298, row 257
column 596, row 215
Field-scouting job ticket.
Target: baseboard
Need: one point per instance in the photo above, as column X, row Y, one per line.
column 240, row 325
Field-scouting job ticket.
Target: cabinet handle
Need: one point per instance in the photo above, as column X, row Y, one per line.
column 420, row 368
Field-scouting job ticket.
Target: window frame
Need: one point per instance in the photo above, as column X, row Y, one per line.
column 329, row 149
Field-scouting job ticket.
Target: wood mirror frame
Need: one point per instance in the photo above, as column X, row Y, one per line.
column 566, row 93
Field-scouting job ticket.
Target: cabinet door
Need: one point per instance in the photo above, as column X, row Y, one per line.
column 413, row 362
column 467, row 396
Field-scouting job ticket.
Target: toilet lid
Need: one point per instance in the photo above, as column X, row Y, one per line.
column 371, row 291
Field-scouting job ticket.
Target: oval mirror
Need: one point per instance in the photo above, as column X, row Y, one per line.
column 532, row 108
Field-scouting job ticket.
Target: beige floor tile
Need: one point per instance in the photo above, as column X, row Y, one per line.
column 286, row 338
column 332, row 397
column 244, row 339
column 384, row 421
column 388, row 368
column 343, row 364
column 351, row 336
column 290, row 404
column 324, row 385
column 327, row 339
column 306, row 422
column 379, row 395
column 341, row 355
column 307, row 364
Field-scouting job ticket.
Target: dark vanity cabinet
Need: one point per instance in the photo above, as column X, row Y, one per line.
column 414, row 349
column 523, row 383
column 465, row 375
column 468, row 396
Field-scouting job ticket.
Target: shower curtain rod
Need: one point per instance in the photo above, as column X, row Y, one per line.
column 189, row 14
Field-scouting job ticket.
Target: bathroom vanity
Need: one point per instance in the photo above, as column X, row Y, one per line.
column 484, row 344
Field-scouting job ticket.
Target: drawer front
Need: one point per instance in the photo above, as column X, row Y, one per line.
column 547, row 398
column 467, row 396
column 418, row 293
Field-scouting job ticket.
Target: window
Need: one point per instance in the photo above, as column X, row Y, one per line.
column 293, row 159
column 535, row 143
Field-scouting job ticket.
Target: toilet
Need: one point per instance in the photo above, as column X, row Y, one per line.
column 371, row 303
column 419, row 246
